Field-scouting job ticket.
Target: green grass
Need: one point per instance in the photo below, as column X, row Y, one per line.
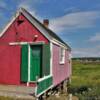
column 88, row 75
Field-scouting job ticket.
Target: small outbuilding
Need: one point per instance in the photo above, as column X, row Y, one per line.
column 30, row 52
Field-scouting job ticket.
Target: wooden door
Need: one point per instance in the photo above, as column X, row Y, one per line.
column 35, row 62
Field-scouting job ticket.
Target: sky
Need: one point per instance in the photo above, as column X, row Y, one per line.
column 77, row 22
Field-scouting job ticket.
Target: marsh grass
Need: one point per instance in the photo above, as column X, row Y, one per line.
column 87, row 75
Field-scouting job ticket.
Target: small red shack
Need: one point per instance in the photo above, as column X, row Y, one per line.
column 31, row 52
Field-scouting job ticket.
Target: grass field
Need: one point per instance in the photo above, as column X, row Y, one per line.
column 86, row 80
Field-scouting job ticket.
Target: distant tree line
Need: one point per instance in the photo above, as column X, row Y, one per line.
column 87, row 59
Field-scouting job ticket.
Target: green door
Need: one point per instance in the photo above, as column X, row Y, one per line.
column 35, row 62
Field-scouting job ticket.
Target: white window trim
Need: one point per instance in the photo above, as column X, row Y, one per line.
column 63, row 59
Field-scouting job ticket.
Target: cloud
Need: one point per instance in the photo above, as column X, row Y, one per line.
column 95, row 38
column 71, row 10
column 75, row 20
column 87, row 52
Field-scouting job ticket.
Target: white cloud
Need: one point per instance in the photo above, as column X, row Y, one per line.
column 95, row 38
column 75, row 20
column 87, row 52
column 71, row 10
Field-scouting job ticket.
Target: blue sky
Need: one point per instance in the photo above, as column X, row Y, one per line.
column 77, row 22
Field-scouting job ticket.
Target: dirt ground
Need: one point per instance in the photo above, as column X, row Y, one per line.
column 61, row 97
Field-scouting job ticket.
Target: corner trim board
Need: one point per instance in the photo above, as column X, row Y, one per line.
column 51, row 58
column 29, row 63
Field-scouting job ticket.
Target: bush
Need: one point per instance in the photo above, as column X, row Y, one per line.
column 77, row 90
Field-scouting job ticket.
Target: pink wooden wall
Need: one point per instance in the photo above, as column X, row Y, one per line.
column 10, row 56
column 60, row 71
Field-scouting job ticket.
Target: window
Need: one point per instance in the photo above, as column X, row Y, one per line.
column 62, row 55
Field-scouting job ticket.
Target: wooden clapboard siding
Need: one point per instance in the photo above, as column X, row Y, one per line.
column 10, row 64
column 60, row 71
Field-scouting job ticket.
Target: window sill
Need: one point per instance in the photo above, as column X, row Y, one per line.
column 61, row 63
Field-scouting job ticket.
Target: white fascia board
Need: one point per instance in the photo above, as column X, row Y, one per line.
column 51, row 58
column 59, row 43
column 8, row 25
